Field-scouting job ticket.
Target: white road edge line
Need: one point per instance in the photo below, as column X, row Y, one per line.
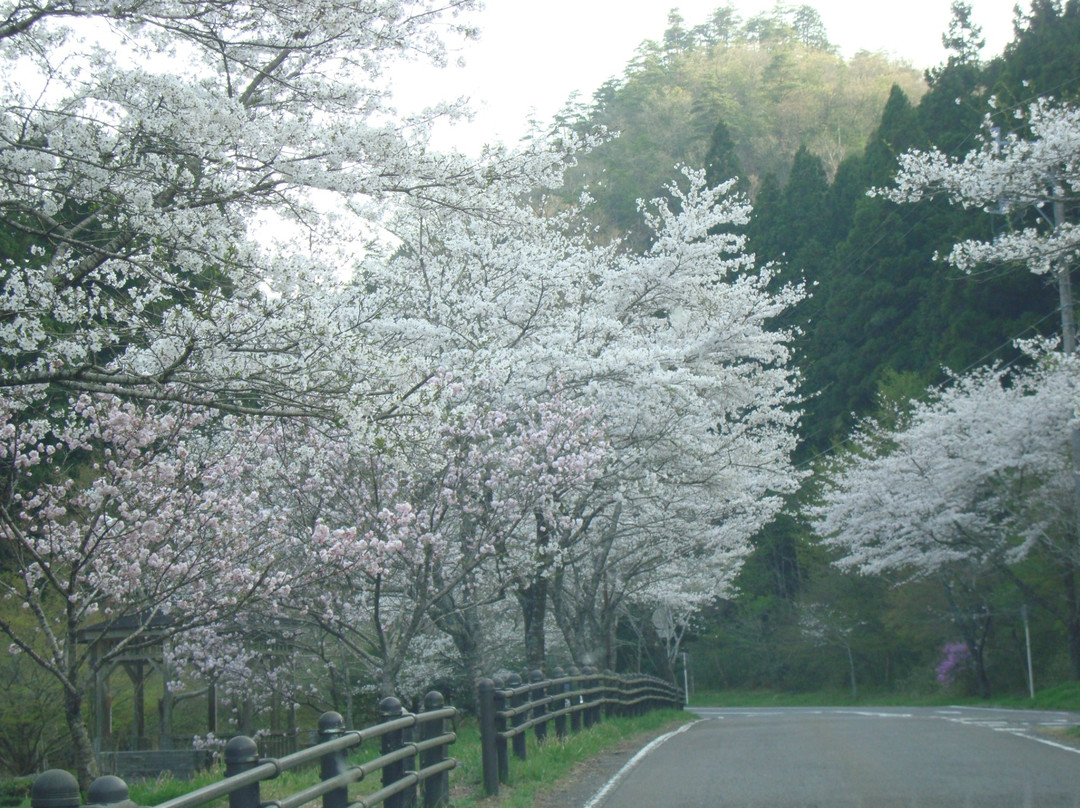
column 610, row 784
column 1056, row 745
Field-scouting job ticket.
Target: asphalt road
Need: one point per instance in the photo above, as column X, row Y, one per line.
column 878, row 758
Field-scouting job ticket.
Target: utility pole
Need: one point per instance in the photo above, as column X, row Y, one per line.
column 1027, row 642
column 1068, row 347
column 685, row 680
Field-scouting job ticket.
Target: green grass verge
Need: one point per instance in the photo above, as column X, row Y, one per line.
column 1062, row 697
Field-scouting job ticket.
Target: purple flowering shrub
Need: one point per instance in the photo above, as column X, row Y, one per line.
column 954, row 660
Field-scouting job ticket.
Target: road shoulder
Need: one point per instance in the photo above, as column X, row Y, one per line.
column 589, row 776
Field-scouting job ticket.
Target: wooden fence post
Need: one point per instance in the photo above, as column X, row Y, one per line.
column 560, row 705
column 241, row 755
column 592, row 715
column 109, row 790
column 539, row 712
column 437, row 788
column 501, row 752
column 489, row 760
column 389, row 709
column 516, row 701
column 55, row 788
column 575, row 717
column 331, row 726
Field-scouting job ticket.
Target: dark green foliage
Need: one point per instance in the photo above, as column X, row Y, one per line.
column 16, row 790
column 1042, row 59
column 885, row 318
column 722, row 160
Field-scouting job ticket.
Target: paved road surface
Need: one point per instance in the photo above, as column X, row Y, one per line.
column 834, row 758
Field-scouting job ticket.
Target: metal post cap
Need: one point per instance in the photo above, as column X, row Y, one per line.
column 390, row 706
column 331, row 722
column 55, row 788
column 109, row 790
column 241, row 749
column 433, row 700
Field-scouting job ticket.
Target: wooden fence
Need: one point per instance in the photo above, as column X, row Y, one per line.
column 413, row 761
column 508, row 709
column 411, row 767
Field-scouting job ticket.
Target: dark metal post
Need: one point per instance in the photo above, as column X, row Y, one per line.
column 241, row 755
column 516, row 701
column 539, row 712
column 389, row 709
column 501, row 752
column 331, row 727
column 485, row 709
column 560, row 705
column 437, row 788
column 55, row 788
column 575, row 717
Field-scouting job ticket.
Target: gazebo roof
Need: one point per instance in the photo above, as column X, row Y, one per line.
column 121, row 628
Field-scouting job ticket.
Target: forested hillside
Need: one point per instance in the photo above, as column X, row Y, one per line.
column 885, row 322
column 772, row 82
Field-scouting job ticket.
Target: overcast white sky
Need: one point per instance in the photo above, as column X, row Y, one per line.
column 533, row 54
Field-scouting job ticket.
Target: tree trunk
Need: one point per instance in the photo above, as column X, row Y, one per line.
column 465, row 630
column 533, row 602
column 532, row 596
column 982, row 680
column 86, row 768
column 575, row 622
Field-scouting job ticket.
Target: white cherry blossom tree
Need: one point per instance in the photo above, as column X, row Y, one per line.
column 1026, row 168
column 704, row 417
column 674, row 348
column 979, row 477
column 1032, row 171
column 176, row 182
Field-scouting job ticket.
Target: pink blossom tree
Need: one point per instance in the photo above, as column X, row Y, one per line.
column 113, row 515
column 398, row 525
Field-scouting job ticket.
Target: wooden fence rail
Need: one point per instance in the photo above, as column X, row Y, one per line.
column 413, row 760
column 507, row 709
column 407, row 766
